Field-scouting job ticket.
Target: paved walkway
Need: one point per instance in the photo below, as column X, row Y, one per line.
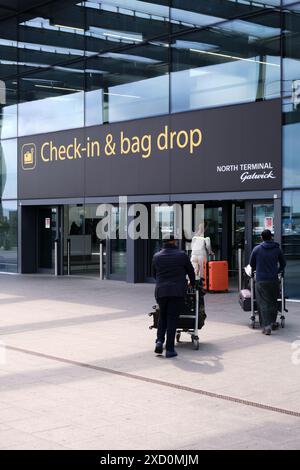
column 80, row 373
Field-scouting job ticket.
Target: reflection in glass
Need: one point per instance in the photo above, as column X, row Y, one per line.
column 263, row 217
column 8, row 236
column 118, row 248
column 213, row 228
column 80, row 234
column 291, row 241
column 51, row 101
column 8, row 108
column 74, row 234
column 8, row 169
column 232, row 62
column 127, row 85
column 291, row 99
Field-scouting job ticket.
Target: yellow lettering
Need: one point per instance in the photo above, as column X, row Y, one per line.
column 162, row 140
column 53, row 150
column 197, row 142
column 146, row 145
column 69, row 156
column 172, row 135
column 125, row 144
column 62, row 152
column 186, row 138
column 95, row 144
column 77, row 149
column 45, row 159
column 135, row 147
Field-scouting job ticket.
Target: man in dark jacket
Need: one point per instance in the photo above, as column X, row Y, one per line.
column 170, row 267
column 267, row 260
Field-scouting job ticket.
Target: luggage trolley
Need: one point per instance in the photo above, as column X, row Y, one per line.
column 192, row 319
column 248, row 301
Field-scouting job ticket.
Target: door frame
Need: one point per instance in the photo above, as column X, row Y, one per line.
column 58, row 236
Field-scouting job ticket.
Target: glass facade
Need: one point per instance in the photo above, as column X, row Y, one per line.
column 231, row 62
column 291, row 145
column 66, row 64
column 69, row 64
column 8, row 236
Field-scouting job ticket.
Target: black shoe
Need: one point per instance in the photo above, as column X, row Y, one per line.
column 159, row 347
column 267, row 331
column 171, row 354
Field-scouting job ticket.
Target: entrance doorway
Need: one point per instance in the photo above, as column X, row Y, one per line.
column 48, row 237
column 230, row 226
column 41, row 229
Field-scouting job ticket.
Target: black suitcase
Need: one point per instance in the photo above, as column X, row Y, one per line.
column 189, row 309
column 245, row 300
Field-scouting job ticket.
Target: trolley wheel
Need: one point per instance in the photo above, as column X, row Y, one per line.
column 196, row 344
column 282, row 323
column 178, row 337
column 252, row 324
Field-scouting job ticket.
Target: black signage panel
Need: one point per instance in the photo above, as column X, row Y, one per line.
column 235, row 148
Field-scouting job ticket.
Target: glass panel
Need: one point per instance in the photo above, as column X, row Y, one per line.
column 8, row 87
column 232, row 62
column 238, row 232
column 54, row 232
column 291, row 100
column 291, row 241
column 74, row 232
column 213, row 228
column 127, row 84
column 203, row 13
column 120, row 22
column 8, row 169
column 80, row 230
column 93, row 257
column 291, row 4
column 52, row 100
column 9, row 236
column 118, row 264
column 263, row 218
column 51, row 34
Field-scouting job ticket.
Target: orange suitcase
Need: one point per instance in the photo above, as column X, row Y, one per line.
column 218, row 276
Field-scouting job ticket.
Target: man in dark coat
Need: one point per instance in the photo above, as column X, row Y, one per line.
column 170, row 267
column 267, row 260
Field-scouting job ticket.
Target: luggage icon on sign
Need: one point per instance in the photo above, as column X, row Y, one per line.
column 28, row 156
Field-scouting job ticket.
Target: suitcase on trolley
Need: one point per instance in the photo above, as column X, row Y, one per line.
column 245, row 300
column 191, row 319
column 281, row 302
column 217, row 276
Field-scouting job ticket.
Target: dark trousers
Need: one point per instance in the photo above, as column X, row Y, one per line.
column 170, row 309
column 266, row 297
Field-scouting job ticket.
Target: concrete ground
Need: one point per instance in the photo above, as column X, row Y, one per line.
column 78, row 371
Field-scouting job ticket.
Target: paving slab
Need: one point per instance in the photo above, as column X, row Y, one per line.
column 80, row 372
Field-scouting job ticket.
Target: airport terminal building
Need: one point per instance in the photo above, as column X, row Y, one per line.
column 166, row 105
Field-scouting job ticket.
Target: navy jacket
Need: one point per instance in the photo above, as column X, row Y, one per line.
column 170, row 267
column 267, row 260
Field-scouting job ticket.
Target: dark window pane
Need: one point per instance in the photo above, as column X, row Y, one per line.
column 202, row 12
column 291, row 241
column 8, row 108
column 129, row 84
column 8, row 86
column 232, row 62
column 291, row 99
column 8, row 236
column 116, row 23
column 51, row 33
column 8, row 169
column 52, row 100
